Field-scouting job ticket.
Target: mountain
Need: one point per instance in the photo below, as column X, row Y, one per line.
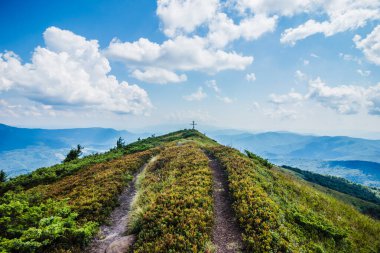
column 184, row 192
column 279, row 145
column 23, row 150
column 314, row 153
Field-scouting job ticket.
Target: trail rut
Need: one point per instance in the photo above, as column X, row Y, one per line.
column 226, row 234
column 117, row 221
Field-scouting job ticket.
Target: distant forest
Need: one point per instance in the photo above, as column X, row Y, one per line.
column 338, row 184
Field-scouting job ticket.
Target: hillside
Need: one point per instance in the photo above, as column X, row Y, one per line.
column 179, row 192
column 24, row 149
column 355, row 159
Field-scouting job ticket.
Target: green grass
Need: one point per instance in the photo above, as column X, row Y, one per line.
column 280, row 213
column 48, row 175
column 173, row 210
column 58, row 209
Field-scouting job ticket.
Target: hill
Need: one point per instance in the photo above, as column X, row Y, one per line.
column 333, row 155
column 23, row 150
column 180, row 192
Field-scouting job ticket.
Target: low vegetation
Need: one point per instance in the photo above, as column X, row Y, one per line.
column 280, row 213
column 51, row 174
column 92, row 193
column 28, row 224
column 73, row 154
column 173, row 211
column 337, row 183
column 59, row 209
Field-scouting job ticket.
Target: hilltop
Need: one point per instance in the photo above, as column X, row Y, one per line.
column 182, row 192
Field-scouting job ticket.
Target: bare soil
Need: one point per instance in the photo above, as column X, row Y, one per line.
column 226, row 234
column 116, row 225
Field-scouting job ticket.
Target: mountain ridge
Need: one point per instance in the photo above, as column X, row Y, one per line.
column 172, row 210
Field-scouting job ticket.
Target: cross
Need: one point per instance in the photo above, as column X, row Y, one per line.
column 193, row 124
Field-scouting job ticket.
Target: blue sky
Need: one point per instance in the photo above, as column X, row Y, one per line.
column 304, row 66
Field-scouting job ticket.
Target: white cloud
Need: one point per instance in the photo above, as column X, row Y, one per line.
column 344, row 99
column 224, row 99
column 373, row 99
column 32, row 109
column 250, row 77
column 370, row 45
column 300, row 76
column 158, row 75
column 348, row 57
column 223, row 30
column 185, row 16
column 276, row 7
column 212, row 84
column 70, row 71
column 290, row 98
column 181, row 53
column 314, row 55
column 306, row 62
column 196, row 96
column 343, row 15
column 281, row 113
column 364, row 73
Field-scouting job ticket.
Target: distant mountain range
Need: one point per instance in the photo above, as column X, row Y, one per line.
column 355, row 159
column 280, row 145
column 23, row 150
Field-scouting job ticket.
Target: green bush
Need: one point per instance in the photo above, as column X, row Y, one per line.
column 73, row 154
column 173, row 211
column 278, row 212
column 27, row 224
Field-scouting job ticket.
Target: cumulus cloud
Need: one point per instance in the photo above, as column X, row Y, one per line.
column 223, row 30
column 185, row 16
column 70, row 71
column 373, row 99
column 32, row 109
column 370, row 45
column 158, row 75
column 343, row 15
column 181, row 53
column 290, row 98
column 250, row 77
column 344, row 99
column 196, row 96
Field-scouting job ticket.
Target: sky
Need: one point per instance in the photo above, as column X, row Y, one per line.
column 308, row 66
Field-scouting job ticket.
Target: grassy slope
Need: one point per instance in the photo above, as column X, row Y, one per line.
column 86, row 189
column 363, row 206
column 173, row 211
column 278, row 211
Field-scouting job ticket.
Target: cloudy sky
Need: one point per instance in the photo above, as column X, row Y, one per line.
column 302, row 65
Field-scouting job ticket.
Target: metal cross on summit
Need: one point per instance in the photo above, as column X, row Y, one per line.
column 193, row 124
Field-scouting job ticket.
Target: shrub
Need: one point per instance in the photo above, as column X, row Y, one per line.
column 173, row 211
column 28, row 224
column 73, row 154
column 3, row 176
column 280, row 213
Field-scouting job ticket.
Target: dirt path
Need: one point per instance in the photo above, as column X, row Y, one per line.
column 226, row 234
column 118, row 220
